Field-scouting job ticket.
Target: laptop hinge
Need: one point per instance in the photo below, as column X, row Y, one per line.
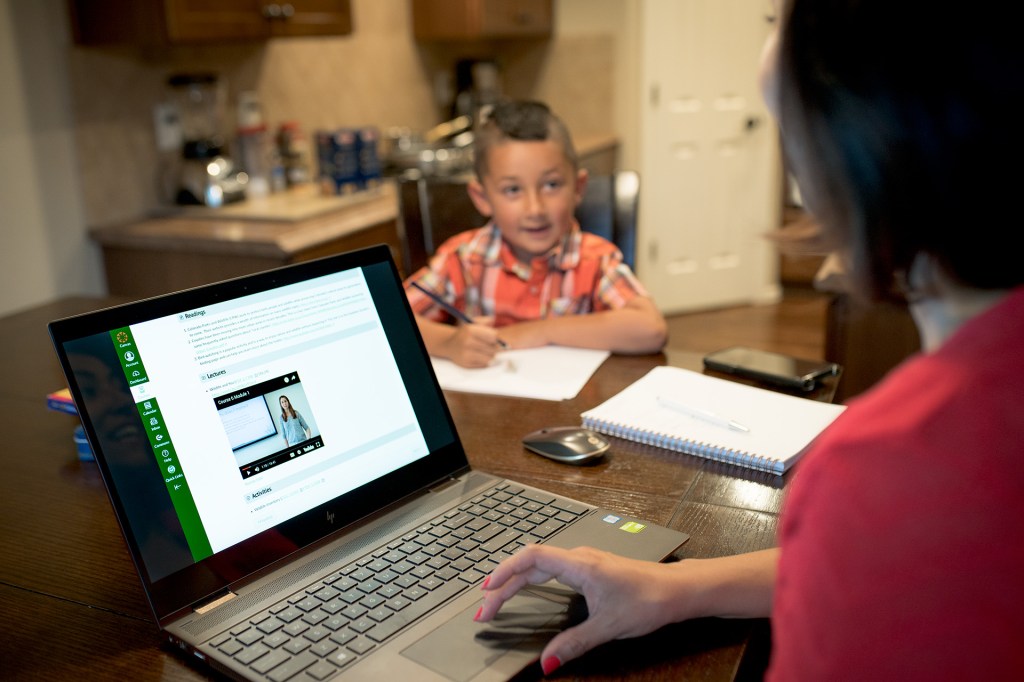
column 209, row 606
column 444, row 483
column 449, row 480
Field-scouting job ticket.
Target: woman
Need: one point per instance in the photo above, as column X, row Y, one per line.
column 293, row 427
column 901, row 543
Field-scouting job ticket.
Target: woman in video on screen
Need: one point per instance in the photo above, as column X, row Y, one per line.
column 900, row 542
column 293, row 426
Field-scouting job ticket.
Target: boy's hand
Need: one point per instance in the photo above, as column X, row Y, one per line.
column 637, row 327
column 532, row 334
column 472, row 345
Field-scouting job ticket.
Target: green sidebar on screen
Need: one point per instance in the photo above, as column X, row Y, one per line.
column 163, row 447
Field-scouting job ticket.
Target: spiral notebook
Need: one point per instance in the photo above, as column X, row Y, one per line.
column 689, row 412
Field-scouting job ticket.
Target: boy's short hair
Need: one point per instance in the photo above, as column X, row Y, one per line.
column 522, row 120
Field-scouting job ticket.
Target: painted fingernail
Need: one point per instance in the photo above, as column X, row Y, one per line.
column 478, row 612
column 550, row 664
column 483, row 585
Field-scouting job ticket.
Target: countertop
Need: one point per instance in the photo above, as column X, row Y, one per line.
column 595, row 143
column 277, row 226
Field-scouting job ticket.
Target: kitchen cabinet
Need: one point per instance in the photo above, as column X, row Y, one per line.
column 174, row 22
column 868, row 340
column 481, row 19
column 796, row 266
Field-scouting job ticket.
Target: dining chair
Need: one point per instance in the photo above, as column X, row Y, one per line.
column 432, row 209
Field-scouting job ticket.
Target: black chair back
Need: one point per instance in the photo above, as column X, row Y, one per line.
column 609, row 209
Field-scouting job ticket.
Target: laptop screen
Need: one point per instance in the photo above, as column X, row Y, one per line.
column 238, row 422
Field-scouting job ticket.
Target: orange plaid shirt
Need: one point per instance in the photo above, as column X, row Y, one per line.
column 476, row 272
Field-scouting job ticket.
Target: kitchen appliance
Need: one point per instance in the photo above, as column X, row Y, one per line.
column 207, row 175
column 477, row 84
column 444, row 150
column 252, row 145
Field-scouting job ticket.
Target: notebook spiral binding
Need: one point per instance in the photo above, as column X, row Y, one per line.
column 684, row 446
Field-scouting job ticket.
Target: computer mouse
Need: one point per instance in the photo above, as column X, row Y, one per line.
column 567, row 444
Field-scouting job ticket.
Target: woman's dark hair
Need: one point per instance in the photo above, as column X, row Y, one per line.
column 900, row 119
column 522, row 120
column 290, row 411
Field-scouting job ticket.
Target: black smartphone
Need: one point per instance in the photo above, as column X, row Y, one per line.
column 772, row 368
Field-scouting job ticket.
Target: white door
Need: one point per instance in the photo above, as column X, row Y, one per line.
column 710, row 171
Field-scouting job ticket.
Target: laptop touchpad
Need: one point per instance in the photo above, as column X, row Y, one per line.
column 461, row 649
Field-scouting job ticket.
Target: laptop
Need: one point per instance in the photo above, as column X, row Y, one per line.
column 292, row 488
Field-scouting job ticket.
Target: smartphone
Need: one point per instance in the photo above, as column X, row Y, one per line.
column 772, row 368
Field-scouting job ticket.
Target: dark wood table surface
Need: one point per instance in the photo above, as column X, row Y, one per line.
column 72, row 607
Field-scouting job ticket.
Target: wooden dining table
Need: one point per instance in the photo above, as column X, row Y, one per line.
column 72, row 606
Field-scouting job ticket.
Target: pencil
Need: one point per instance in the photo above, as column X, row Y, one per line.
column 458, row 314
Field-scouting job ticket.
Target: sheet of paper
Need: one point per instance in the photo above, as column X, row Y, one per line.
column 548, row 373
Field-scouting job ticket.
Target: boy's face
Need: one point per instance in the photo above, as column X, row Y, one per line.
column 531, row 193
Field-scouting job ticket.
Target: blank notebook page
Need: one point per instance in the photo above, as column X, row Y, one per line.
column 779, row 426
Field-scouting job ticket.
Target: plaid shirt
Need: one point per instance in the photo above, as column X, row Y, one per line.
column 476, row 272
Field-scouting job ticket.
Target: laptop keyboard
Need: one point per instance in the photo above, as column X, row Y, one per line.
column 332, row 623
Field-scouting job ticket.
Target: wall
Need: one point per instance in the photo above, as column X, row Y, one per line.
column 45, row 251
column 80, row 123
column 615, row 26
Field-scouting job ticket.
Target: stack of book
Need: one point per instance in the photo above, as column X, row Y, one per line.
column 61, row 401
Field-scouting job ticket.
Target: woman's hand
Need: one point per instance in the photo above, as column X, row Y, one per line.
column 628, row 598
column 625, row 597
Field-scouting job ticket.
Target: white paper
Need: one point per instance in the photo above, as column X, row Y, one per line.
column 548, row 373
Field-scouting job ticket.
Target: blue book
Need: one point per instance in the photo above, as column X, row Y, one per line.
column 61, row 401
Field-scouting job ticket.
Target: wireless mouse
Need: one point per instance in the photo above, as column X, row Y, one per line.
column 567, row 444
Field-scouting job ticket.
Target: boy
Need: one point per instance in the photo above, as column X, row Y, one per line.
column 531, row 276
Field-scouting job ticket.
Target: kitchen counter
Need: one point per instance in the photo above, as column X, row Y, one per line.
column 189, row 246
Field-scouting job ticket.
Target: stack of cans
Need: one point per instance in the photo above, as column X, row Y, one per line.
column 348, row 159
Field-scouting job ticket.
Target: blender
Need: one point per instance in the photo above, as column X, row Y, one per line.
column 208, row 177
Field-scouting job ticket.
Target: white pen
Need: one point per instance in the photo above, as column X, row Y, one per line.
column 703, row 415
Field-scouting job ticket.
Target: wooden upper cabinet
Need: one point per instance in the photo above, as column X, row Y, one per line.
column 481, row 19
column 194, row 21
column 309, row 17
column 175, row 22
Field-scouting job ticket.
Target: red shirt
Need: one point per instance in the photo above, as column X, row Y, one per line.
column 903, row 533
column 476, row 272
